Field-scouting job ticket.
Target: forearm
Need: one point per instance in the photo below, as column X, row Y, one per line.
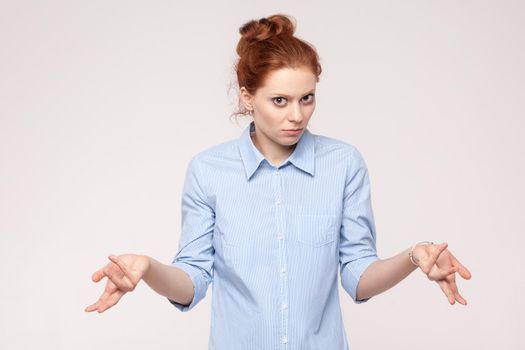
column 382, row 275
column 169, row 281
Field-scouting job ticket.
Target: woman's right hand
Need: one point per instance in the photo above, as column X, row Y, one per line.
column 124, row 272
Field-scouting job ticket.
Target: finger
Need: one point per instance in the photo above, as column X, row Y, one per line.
column 116, row 276
column 460, row 299
column 91, row 307
column 445, row 287
column 428, row 264
column 437, row 273
column 440, row 248
column 457, row 296
column 97, row 304
column 120, row 263
column 110, row 289
column 109, row 298
column 109, row 301
column 462, row 270
column 98, row 275
column 443, row 284
column 94, row 307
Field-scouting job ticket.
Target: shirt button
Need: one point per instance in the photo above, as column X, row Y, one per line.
column 278, row 202
column 284, row 340
column 280, row 236
column 283, row 270
column 284, row 306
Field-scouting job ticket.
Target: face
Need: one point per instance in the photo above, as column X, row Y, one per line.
column 285, row 102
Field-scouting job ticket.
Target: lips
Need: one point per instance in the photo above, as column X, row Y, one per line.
column 293, row 132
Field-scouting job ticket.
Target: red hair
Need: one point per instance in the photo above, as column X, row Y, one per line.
column 267, row 45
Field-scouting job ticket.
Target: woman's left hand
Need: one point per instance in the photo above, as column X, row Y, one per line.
column 438, row 263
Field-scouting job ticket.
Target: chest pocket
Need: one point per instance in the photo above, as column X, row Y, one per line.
column 317, row 230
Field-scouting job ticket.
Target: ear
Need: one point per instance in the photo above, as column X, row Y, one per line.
column 246, row 98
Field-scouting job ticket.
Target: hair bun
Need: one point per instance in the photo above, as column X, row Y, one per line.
column 264, row 29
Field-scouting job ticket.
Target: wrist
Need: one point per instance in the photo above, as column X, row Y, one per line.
column 413, row 257
column 147, row 263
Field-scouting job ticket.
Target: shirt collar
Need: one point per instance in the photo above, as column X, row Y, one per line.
column 302, row 157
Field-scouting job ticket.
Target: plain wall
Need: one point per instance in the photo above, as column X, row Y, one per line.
column 103, row 103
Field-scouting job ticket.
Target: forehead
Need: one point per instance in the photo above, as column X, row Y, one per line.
column 289, row 81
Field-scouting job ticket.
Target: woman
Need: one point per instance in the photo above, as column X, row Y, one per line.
column 272, row 216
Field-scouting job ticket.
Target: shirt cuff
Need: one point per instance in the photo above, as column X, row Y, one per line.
column 200, row 285
column 351, row 275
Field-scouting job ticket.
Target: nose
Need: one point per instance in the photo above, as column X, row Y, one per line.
column 296, row 114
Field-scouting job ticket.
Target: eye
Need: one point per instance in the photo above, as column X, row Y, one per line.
column 279, row 101
column 308, row 98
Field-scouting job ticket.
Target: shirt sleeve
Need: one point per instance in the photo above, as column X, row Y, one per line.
column 196, row 252
column 357, row 248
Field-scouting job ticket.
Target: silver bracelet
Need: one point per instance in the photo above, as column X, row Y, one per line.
column 411, row 253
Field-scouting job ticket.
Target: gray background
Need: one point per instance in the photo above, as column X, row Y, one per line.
column 103, row 103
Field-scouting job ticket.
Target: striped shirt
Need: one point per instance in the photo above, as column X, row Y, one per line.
column 272, row 239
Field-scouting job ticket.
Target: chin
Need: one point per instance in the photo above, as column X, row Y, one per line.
column 289, row 143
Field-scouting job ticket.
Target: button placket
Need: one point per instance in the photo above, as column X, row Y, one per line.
column 283, row 280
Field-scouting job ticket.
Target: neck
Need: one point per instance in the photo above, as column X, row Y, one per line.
column 273, row 152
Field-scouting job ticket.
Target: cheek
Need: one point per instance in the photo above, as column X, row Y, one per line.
column 309, row 110
column 271, row 114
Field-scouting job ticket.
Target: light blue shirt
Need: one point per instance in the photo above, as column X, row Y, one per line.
column 272, row 239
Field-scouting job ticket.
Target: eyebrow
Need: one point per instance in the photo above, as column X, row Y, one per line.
column 284, row 95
